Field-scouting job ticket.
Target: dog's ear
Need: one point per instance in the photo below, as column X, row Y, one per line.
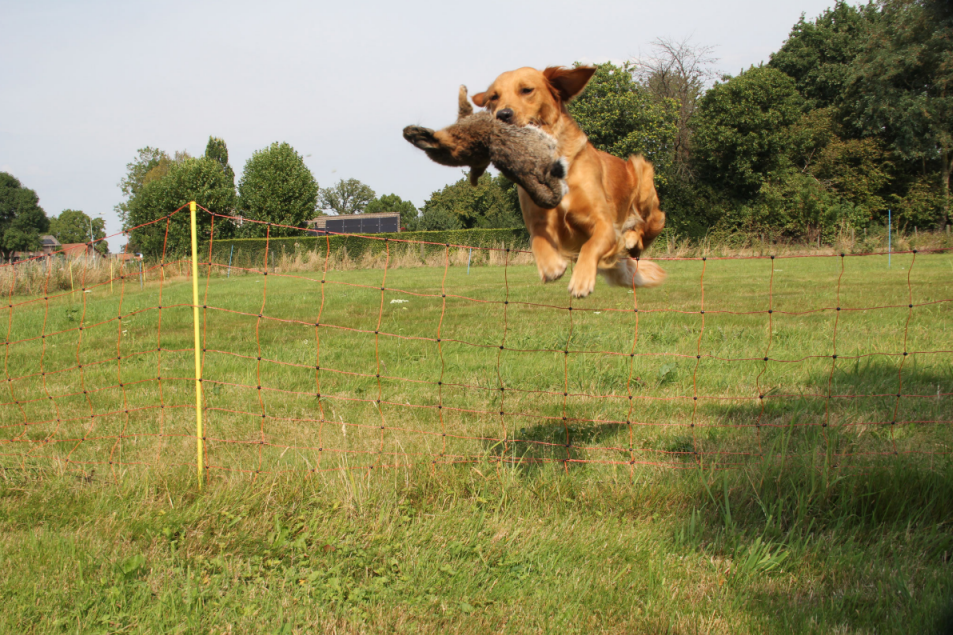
column 568, row 82
column 479, row 99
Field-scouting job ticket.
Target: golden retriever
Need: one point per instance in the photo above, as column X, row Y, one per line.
column 611, row 209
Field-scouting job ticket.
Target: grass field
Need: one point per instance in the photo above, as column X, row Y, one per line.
column 661, row 476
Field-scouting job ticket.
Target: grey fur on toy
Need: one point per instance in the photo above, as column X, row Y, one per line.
column 524, row 154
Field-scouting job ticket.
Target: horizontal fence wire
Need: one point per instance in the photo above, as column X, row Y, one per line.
column 312, row 362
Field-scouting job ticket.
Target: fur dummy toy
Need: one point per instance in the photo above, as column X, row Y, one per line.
column 525, row 155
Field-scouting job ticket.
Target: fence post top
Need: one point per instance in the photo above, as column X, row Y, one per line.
column 191, row 206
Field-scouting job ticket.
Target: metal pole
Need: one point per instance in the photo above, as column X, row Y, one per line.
column 198, row 346
column 889, row 227
column 468, row 260
column 140, row 275
column 230, row 254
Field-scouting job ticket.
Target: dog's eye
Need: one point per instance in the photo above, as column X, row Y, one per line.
column 526, row 91
column 494, row 97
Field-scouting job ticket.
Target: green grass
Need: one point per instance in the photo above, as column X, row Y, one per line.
column 825, row 510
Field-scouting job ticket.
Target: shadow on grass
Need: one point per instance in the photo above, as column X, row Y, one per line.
column 539, row 446
column 883, row 532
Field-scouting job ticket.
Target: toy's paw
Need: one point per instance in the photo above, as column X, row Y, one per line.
column 421, row 137
column 582, row 283
column 551, row 268
column 543, row 195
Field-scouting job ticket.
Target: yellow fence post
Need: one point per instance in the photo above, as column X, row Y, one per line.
column 198, row 345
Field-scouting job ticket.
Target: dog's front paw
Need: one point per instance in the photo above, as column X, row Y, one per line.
column 421, row 137
column 582, row 283
column 551, row 268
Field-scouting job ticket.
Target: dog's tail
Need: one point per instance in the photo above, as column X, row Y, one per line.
column 645, row 204
column 634, row 273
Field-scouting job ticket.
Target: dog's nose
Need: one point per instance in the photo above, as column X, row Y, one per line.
column 505, row 115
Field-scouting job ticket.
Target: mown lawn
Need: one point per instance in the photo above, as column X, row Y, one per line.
column 661, row 476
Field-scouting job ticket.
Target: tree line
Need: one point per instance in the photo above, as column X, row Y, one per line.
column 276, row 188
column 850, row 118
column 23, row 222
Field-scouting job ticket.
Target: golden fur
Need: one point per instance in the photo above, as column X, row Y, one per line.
column 611, row 209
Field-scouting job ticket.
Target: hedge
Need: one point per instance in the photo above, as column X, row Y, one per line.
column 247, row 250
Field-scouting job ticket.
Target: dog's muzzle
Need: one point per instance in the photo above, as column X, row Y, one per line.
column 505, row 115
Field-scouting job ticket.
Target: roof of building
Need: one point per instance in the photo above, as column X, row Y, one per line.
column 49, row 240
column 74, row 249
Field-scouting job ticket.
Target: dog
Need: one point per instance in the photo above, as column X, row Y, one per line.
column 611, row 209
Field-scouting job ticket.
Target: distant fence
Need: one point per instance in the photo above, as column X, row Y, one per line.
column 829, row 361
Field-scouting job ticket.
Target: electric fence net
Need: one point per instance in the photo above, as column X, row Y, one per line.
column 385, row 353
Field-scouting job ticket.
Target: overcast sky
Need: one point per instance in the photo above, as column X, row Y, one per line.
column 84, row 84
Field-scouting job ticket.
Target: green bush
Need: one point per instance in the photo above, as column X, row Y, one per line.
column 252, row 250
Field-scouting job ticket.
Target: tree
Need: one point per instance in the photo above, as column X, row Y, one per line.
column 22, row 220
column 678, row 71
column 818, row 55
column 201, row 180
column 346, row 197
column 901, row 88
column 74, row 226
column 393, row 203
column 742, row 132
column 147, row 159
column 277, row 187
column 494, row 203
column 216, row 149
column 856, row 171
column 620, row 117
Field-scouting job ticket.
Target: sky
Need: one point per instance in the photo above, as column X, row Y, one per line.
column 83, row 85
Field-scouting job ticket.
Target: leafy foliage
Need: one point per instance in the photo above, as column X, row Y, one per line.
column 74, row 226
column 216, row 149
column 277, row 187
column 348, row 196
column 147, row 160
column 621, row 117
column 743, row 129
column 902, row 86
column 201, row 180
column 818, row 55
column 493, row 203
column 22, row 220
column 251, row 251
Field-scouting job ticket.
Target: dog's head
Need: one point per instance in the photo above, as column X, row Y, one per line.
column 527, row 96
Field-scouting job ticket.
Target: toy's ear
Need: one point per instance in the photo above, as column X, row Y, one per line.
column 568, row 82
column 464, row 109
column 479, row 99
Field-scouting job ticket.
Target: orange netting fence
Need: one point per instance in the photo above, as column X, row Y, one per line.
column 307, row 363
